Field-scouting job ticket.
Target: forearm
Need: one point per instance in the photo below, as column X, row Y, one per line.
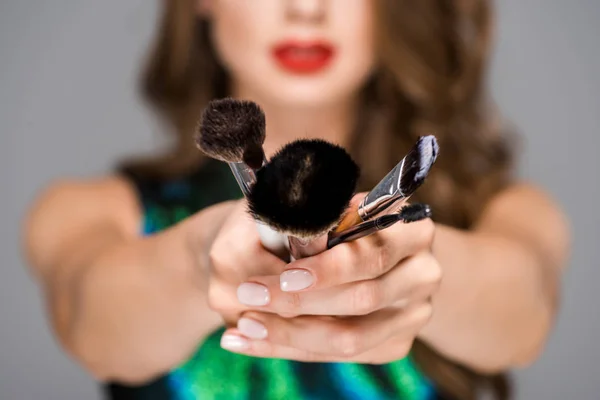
column 495, row 304
column 127, row 313
column 127, row 308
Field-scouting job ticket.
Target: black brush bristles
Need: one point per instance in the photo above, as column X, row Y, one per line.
column 408, row 214
column 417, row 164
column 305, row 188
column 415, row 212
column 233, row 131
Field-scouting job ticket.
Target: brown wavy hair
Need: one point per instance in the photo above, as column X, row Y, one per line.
column 430, row 79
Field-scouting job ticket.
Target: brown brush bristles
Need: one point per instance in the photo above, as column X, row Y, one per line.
column 232, row 130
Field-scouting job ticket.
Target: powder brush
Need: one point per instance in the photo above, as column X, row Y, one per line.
column 303, row 191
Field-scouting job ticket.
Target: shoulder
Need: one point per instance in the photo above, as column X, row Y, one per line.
column 533, row 215
column 522, row 198
column 111, row 193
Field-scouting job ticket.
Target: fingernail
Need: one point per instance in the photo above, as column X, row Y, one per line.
column 234, row 343
column 251, row 328
column 295, row 279
column 253, row 294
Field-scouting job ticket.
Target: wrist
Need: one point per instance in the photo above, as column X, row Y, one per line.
column 198, row 232
column 147, row 285
column 456, row 251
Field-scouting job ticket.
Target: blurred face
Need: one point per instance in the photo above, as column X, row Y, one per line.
column 294, row 52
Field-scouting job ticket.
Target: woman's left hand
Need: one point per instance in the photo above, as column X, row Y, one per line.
column 381, row 285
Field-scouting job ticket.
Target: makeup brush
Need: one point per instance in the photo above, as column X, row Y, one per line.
column 233, row 131
column 407, row 214
column 397, row 186
column 303, row 192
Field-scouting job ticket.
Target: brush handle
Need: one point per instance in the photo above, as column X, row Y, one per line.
column 273, row 241
column 244, row 176
column 385, row 195
column 411, row 213
column 362, row 230
column 390, row 194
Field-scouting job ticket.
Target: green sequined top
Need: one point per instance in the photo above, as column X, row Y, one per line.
column 214, row 373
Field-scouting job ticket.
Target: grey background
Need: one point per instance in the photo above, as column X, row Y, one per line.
column 68, row 107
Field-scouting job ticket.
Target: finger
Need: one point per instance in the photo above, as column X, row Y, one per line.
column 362, row 259
column 236, row 262
column 237, row 252
column 233, row 341
column 339, row 337
column 222, row 298
column 232, row 261
column 394, row 348
column 412, row 280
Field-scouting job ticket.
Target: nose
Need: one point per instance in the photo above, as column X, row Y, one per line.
column 306, row 10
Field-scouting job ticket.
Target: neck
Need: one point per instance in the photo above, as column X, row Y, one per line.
column 285, row 123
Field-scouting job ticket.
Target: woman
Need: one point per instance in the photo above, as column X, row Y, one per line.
column 174, row 312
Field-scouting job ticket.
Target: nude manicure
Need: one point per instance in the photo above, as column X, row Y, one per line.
column 252, row 328
column 295, row 279
column 234, row 343
column 253, row 294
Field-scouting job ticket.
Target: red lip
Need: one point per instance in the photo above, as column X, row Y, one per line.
column 303, row 57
